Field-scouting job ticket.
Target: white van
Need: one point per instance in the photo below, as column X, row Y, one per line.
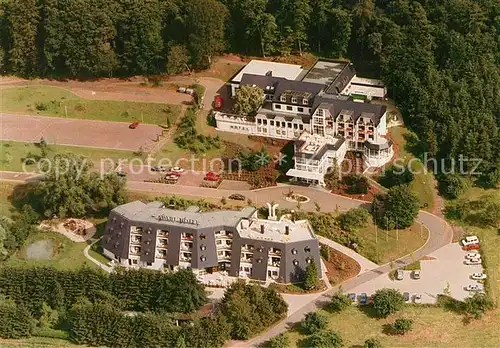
column 470, row 240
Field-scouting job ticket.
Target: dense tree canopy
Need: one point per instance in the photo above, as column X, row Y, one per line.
column 396, row 209
column 448, row 88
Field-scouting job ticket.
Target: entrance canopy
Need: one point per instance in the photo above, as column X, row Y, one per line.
column 305, row 174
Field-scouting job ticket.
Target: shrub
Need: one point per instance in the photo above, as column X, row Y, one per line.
column 356, row 184
column 41, row 106
column 387, row 301
column 477, row 305
column 452, row 185
column 314, row 322
column 402, row 326
column 354, row 219
column 339, row 302
column 280, row 341
column 372, row 343
column 326, row 339
column 311, row 278
column 394, row 176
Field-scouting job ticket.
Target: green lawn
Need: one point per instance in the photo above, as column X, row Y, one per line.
column 68, row 255
column 36, row 342
column 392, row 244
column 422, row 185
column 433, row 327
column 58, row 102
column 12, row 154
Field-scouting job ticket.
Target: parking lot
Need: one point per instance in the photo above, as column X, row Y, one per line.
column 443, row 269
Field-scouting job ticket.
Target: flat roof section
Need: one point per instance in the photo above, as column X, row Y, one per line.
column 325, row 72
column 276, row 231
column 261, row 67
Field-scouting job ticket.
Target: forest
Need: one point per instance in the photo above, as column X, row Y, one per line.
column 439, row 58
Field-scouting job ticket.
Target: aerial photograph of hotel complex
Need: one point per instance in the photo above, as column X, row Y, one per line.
column 250, row 173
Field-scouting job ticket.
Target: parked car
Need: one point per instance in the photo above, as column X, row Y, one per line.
column 417, row 298
column 474, row 287
column 181, row 89
column 218, row 102
column 363, row 298
column 134, row 125
column 478, row 276
column 470, row 240
column 406, row 296
column 177, row 170
column 472, row 256
column 473, row 262
column 172, row 177
column 189, row 91
column 159, row 169
column 211, row 176
column 399, row 274
column 237, row 197
column 471, row 247
column 352, row 296
column 416, row 274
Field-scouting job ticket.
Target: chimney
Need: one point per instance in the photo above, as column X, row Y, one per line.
column 287, row 230
column 262, row 229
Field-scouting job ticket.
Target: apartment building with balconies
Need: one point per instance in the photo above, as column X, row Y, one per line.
column 238, row 242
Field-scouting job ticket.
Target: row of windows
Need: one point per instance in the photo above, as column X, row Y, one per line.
column 289, row 108
column 246, row 129
column 281, row 124
column 294, row 100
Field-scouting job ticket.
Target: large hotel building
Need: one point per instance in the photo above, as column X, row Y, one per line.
column 151, row 236
column 326, row 111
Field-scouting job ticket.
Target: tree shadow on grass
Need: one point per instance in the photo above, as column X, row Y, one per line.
column 388, row 329
column 414, row 145
column 369, row 311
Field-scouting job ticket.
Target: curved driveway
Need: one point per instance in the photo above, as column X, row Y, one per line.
column 440, row 235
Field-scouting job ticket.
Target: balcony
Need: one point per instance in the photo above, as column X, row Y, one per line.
column 224, row 257
column 135, row 250
column 185, row 247
column 135, row 240
column 247, row 259
column 136, row 230
column 248, row 249
column 186, row 237
column 223, row 235
column 163, row 233
column 273, row 251
column 185, row 259
column 161, row 254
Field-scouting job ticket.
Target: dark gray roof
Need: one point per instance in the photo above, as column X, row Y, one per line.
column 297, row 86
column 335, row 105
column 342, row 80
column 261, row 81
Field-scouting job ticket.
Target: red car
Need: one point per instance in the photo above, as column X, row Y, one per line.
column 134, row 125
column 218, row 102
column 471, row 247
column 211, row 176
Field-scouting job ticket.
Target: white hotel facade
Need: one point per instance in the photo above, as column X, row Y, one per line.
column 319, row 109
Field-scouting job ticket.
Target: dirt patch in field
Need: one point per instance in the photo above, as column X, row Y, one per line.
column 40, row 250
column 340, row 267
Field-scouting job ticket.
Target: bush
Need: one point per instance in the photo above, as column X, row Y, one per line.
column 402, row 326
column 354, row 219
column 326, row 339
column 398, row 208
column 280, row 341
column 339, row 302
column 311, row 279
column 314, row 322
column 477, row 305
column 356, row 184
column 188, row 138
column 387, row 301
column 452, row 185
column 41, row 106
column 372, row 343
column 394, row 176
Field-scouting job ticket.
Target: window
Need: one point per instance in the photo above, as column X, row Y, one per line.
column 308, row 260
column 271, row 123
column 301, row 127
column 149, row 264
column 283, row 98
column 289, row 124
column 294, row 100
column 295, row 262
column 264, row 122
column 277, row 106
column 295, row 126
column 289, row 108
column 134, row 262
column 259, row 121
column 319, row 112
column 203, row 237
column 259, row 260
column 305, row 101
column 307, row 249
column 203, row 258
column 294, row 251
column 283, row 124
column 300, row 109
column 203, row 247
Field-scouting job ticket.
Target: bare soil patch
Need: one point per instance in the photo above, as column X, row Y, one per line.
column 340, row 267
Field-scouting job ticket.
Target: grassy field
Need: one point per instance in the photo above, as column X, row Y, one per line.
column 13, row 154
column 37, row 342
column 392, row 244
column 422, row 185
column 68, row 254
column 58, row 102
column 433, row 327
